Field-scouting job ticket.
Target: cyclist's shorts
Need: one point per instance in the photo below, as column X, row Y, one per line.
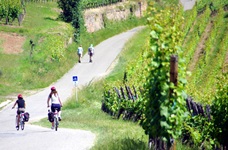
column 20, row 110
column 55, row 106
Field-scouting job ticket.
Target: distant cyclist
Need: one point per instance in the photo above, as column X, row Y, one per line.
column 91, row 52
column 80, row 53
column 55, row 103
column 20, row 102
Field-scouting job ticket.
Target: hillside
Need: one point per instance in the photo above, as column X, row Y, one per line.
column 205, row 47
column 47, row 34
column 42, row 44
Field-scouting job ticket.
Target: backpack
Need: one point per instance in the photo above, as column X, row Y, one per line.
column 51, row 116
column 26, row 117
column 90, row 50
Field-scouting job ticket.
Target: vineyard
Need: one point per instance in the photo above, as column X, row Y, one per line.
column 11, row 10
column 165, row 109
column 98, row 3
column 16, row 9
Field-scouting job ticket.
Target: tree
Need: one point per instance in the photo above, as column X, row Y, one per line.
column 72, row 12
column 68, row 7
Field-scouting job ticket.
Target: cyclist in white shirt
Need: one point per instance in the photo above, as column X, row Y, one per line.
column 55, row 103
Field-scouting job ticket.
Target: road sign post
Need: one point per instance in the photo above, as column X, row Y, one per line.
column 75, row 79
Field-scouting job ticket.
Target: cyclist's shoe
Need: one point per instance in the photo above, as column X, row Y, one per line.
column 17, row 127
column 52, row 127
column 60, row 119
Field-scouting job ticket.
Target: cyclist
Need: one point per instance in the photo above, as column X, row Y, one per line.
column 80, row 52
column 20, row 102
column 55, row 103
column 90, row 52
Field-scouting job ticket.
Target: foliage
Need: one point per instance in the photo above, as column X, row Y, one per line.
column 211, row 63
column 214, row 5
column 164, row 112
column 97, row 3
column 132, row 79
column 219, row 109
column 10, row 9
column 72, row 9
column 197, row 131
column 211, row 60
column 67, row 7
column 55, row 45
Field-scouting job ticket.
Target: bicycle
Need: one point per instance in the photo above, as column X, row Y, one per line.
column 56, row 119
column 21, row 121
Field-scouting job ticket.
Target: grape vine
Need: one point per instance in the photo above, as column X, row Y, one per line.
column 164, row 113
column 10, row 9
column 161, row 114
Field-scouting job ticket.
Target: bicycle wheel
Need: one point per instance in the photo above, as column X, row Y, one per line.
column 22, row 123
column 16, row 123
column 56, row 123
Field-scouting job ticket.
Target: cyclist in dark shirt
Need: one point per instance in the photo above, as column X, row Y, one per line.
column 21, row 107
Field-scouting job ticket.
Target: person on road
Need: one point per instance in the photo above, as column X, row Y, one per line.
column 20, row 102
column 90, row 52
column 55, row 103
column 80, row 52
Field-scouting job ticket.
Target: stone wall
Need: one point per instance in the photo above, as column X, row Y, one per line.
column 95, row 18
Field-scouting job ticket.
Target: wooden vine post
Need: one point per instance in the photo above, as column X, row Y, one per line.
column 173, row 70
column 173, row 79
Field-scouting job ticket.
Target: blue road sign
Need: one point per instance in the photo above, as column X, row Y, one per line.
column 75, row 78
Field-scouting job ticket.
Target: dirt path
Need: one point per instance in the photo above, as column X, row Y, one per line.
column 11, row 43
column 200, row 47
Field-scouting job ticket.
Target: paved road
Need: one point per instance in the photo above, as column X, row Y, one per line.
column 187, row 4
column 37, row 138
